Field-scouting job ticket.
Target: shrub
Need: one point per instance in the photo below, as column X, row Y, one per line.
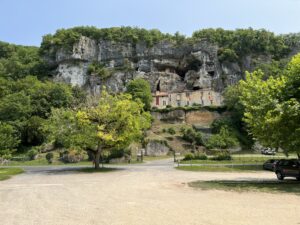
column 72, row 156
column 171, row 131
column 49, row 157
column 188, row 156
column 222, row 140
column 32, row 154
column 170, row 138
column 192, row 136
column 100, row 70
column 164, row 130
column 200, row 156
column 222, row 156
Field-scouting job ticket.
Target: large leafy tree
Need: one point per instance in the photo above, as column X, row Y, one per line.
column 9, row 139
column 140, row 89
column 25, row 104
column 272, row 107
column 114, row 122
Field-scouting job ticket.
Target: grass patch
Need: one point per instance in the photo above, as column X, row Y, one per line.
column 6, row 173
column 237, row 159
column 220, row 168
column 100, row 170
column 289, row 186
column 153, row 158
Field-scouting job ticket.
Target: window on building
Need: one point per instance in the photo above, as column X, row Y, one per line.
column 187, row 103
column 178, row 102
column 164, row 102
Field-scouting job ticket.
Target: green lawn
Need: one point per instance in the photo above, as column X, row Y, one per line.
column 238, row 159
column 6, row 173
column 289, row 186
column 220, row 168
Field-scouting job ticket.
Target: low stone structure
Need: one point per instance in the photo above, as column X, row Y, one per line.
column 203, row 97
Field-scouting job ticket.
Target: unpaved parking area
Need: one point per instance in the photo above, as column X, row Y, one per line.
column 141, row 194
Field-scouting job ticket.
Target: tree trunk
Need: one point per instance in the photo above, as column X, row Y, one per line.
column 298, row 154
column 97, row 157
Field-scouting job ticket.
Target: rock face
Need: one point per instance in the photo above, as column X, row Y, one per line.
column 156, row 148
column 167, row 66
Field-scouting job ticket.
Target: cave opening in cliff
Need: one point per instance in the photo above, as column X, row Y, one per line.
column 194, row 65
column 212, row 73
column 181, row 73
column 158, row 86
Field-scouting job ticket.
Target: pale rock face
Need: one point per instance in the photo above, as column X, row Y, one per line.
column 74, row 74
column 156, row 148
column 85, row 49
column 167, row 66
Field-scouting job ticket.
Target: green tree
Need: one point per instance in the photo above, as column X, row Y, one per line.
column 272, row 108
column 140, row 89
column 9, row 139
column 223, row 140
column 114, row 123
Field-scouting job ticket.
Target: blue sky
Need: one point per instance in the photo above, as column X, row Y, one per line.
column 26, row 21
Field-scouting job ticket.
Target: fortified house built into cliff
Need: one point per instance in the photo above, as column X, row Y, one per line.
column 204, row 97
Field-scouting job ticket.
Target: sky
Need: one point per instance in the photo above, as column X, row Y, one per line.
column 26, row 21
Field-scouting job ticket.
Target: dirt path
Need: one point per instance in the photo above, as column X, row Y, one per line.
column 154, row 194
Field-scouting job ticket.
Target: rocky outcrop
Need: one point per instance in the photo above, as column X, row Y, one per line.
column 156, row 148
column 201, row 117
column 166, row 65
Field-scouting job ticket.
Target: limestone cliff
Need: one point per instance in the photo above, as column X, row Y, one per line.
column 168, row 66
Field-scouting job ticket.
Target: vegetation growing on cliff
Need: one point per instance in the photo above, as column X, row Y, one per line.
column 243, row 42
column 233, row 43
column 65, row 38
column 99, row 70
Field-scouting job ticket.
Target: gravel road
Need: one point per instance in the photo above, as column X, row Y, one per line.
column 153, row 194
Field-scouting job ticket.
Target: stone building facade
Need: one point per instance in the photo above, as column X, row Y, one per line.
column 203, row 97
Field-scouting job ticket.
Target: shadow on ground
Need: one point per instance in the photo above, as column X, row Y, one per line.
column 274, row 186
column 68, row 170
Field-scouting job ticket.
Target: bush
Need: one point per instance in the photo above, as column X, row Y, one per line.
column 171, row 131
column 222, row 156
column 32, row 154
column 49, row 157
column 200, row 156
column 192, row 136
column 223, row 140
column 170, row 138
column 164, row 130
column 188, row 156
column 72, row 156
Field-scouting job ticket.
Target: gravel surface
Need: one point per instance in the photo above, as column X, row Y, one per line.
column 153, row 193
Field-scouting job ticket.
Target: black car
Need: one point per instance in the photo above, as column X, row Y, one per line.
column 270, row 164
column 287, row 168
